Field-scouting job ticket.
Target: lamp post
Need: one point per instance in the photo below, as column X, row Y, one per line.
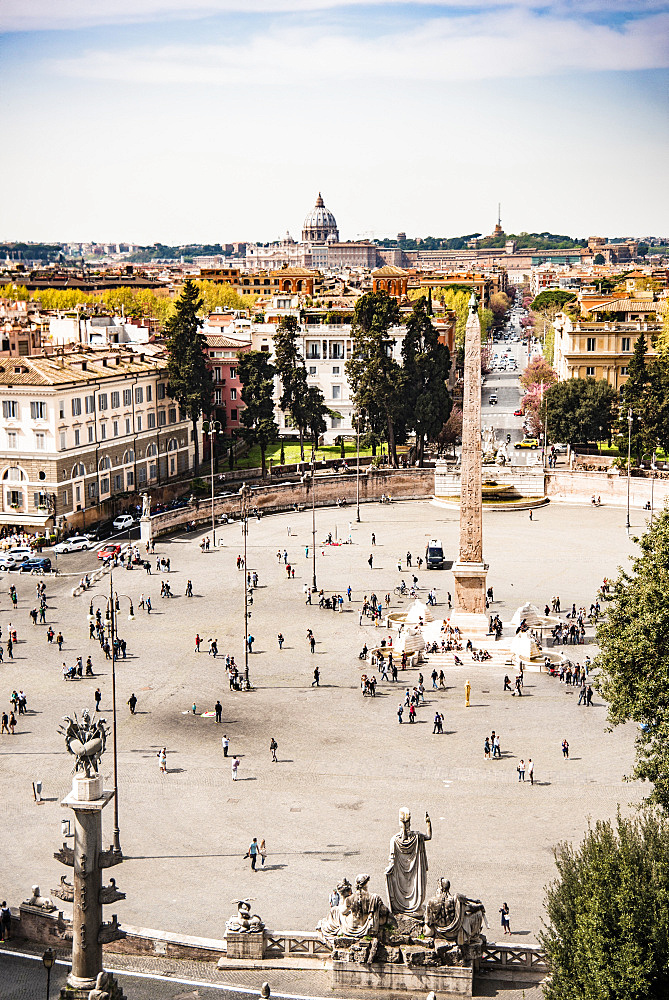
column 212, row 429
column 245, row 494
column 653, row 467
column 357, row 470
column 629, row 463
column 113, row 606
column 314, row 587
column 48, row 959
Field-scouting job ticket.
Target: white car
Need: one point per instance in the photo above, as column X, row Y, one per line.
column 13, row 558
column 73, row 544
column 123, row 522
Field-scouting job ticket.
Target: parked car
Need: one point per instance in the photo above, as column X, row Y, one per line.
column 74, row 544
column 561, row 449
column 18, row 555
column 99, row 532
column 109, row 551
column 39, row 564
column 123, row 522
column 527, row 442
column 517, row 413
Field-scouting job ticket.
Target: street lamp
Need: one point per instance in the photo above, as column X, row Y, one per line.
column 113, row 607
column 212, row 429
column 48, row 959
column 629, row 463
column 357, row 470
column 314, row 588
column 653, row 466
column 245, row 494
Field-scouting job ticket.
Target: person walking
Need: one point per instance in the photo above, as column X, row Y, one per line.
column 273, row 746
column 521, row 771
column 263, row 852
column 530, row 770
column 504, row 910
column 317, row 676
column 5, row 922
column 252, row 853
column 312, row 642
column 400, row 712
column 225, row 743
column 565, row 749
column 132, row 702
column 235, row 768
column 218, row 708
column 98, row 699
column 162, row 757
column 371, row 561
column 280, row 640
column 60, row 640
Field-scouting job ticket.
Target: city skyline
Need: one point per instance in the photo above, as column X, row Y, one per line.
column 180, row 122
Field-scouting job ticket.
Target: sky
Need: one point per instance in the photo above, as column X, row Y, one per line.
column 211, row 121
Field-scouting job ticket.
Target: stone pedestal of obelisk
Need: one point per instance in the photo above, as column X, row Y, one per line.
column 470, row 570
column 87, row 800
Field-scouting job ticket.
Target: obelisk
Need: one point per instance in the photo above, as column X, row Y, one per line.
column 470, row 570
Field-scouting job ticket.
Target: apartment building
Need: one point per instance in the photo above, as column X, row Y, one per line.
column 586, row 348
column 82, row 429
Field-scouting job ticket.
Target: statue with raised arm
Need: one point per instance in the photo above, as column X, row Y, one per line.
column 406, row 875
column 146, row 505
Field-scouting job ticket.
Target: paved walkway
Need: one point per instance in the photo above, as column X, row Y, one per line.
column 329, row 807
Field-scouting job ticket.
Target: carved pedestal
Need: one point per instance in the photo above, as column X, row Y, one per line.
column 245, row 944
column 144, row 530
column 470, row 587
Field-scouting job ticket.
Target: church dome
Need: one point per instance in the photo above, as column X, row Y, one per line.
column 320, row 224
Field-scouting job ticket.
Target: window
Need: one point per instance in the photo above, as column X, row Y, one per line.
column 77, row 437
column 336, row 422
column 62, row 437
column 151, row 420
column 115, row 400
column 40, row 441
column 173, row 466
column 590, row 370
column 313, row 370
column 63, row 498
column 116, row 428
column 78, row 470
column 90, row 404
column 149, row 393
column 91, row 433
column 15, row 498
column 172, row 415
column 233, row 394
column 624, row 370
column 153, row 470
column 130, row 479
column 103, row 431
column 76, row 406
column 127, row 397
column 336, row 392
column 160, row 390
column 139, row 394
column 139, row 421
column 102, row 401
column 127, row 425
column 162, row 418
column 77, row 493
column 233, row 414
column 335, row 369
column 141, row 475
column 104, row 484
column 37, row 410
column 217, row 397
column 591, row 344
column 92, row 490
column 233, row 373
column 626, row 343
column 217, row 374
column 118, row 483
column 12, row 439
column 10, row 409
column 61, row 409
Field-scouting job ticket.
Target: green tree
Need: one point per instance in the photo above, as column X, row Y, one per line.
column 634, row 656
column 599, row 259
column 607, row 933
column 552, row 297
column 579, row 410
column 634, row 397
column 642, row 250
column 374, row 375
column 293, row 374
column 538, row 371
column 656, row 403
column 426, row 366
column 189, row 378
column 256, row 374
column 314, row 414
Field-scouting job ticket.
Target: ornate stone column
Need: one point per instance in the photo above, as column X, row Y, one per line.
column 470, row 570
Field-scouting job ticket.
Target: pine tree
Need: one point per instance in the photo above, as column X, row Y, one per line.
column 633, row 397
column 426, row 366
column 293, row 374
column 256, row 373
column 189, row 378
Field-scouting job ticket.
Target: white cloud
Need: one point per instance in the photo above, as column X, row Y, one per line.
column 506, row 44
column 41, row 15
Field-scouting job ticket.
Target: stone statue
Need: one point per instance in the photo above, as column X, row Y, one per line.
column 406, row 875
column 243, row 921
column 85, row 740
column 456, row 918
column 340, row 921
column 40, row 902
column 368, row 909
column 146, row 505
column 488, row 443
column 100, row 992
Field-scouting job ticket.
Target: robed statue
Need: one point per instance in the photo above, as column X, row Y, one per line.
column 406, row 875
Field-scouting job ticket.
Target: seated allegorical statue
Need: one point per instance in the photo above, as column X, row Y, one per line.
column 456, row 918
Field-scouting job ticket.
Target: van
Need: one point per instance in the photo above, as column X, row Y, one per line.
column 434, row 554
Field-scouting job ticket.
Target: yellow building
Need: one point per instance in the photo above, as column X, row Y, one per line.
column 586, row 348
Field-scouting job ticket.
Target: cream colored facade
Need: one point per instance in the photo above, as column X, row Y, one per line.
column 585, row 349
column 82, row 428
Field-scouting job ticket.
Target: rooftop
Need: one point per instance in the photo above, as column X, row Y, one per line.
column 76, row 367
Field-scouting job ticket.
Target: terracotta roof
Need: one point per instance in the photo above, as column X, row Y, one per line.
column 217, row 340
column 67, row 369
column 389, row 271
column 630, row 305
column 296, row 272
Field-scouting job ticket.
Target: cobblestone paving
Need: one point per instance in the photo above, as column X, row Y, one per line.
column 329, row 807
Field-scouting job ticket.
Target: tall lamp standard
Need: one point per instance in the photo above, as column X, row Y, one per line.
column 48, row 958
column 653, row 466
column 314, row 587
column 360, row 415
column 245, row 493
column 629, row 463
column 113, row 606
column 212, row 429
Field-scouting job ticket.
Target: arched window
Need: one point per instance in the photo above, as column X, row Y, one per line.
column 78, row 470
column 105, row 464
column 128, row 456
column 172, row 444
column 14, row 474
column 151, row 451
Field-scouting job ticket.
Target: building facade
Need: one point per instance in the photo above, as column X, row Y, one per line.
column 83, row 430
column 589, row 349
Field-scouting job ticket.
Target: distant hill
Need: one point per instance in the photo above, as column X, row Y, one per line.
column 542, row 241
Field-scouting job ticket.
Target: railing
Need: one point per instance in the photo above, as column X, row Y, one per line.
column 294, row 944
column 516, row 959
